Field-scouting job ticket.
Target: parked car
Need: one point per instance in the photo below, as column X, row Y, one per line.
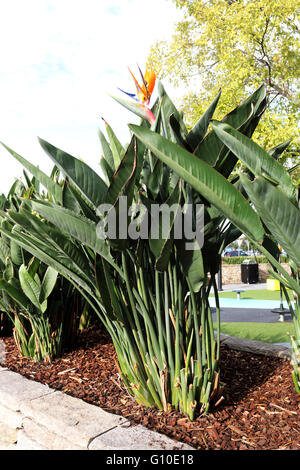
column 235, row 253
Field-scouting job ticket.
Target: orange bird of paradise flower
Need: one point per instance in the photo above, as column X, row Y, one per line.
column 143, row 91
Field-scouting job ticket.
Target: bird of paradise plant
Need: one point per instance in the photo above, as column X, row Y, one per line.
column 150, row 293
column 142, row 96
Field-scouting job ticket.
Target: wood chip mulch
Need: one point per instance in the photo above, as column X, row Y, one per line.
column 260, row 410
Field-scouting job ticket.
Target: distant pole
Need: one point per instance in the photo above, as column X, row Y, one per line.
column 220, row 278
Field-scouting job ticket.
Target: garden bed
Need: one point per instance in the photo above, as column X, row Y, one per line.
column 260, row 409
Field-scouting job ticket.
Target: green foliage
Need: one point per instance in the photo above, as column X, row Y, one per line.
column 35, row 301
column 151, row 294
column 269, row 189
column 236, row 46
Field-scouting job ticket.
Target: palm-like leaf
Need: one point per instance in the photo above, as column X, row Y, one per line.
column 213, row 186
column 82, row 176
column 279, row 214
column 254, row 157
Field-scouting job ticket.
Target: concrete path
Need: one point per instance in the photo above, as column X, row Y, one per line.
column 254, row 315
column 232, row 287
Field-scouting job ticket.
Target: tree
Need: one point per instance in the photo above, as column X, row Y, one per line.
column 238, row 45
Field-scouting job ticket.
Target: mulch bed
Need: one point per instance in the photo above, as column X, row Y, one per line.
column 260, row 410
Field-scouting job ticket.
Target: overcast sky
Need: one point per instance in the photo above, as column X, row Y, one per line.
column 59, row 59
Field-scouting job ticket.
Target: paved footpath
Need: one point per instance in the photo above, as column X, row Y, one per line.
column 232, row 287
column 255, row 315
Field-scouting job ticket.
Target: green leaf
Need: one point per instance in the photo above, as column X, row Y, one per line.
column 48, row 283
column 82, row 176
column 53, row 188
column 197, row 133
column 204, row 179
column 155, row 178
column 16, row 294
column 122, row 184
column 209, row 149
column 106, row 288
column 168, row 108
column 53, row 240
column 16, row 253
column 29, row 286
column 281, row 217
column 4, row 250
column 244, row 117
column 179, row 138
column 137, row 108
column 49, row 256
column 254, row 157
column 124, row 173
column 31, row 345
column 107, row 171
column 115, row 145
column 107, row 153
column 279, row 149
column 79, row 227
column 69, row 201
column 81, row 203
column 192, row 265
column 8, row 272
column 162, row 247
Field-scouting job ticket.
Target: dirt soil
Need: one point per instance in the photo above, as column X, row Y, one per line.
column 260, row 410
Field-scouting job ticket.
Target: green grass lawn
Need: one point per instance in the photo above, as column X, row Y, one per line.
column 266, row 332
column 262, row 294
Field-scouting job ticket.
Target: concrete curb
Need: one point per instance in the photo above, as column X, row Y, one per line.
column 256, row 347
column 35, row 417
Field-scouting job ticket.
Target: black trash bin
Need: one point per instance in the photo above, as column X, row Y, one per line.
column 249, row 272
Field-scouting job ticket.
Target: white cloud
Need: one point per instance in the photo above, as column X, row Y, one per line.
column 60, row 59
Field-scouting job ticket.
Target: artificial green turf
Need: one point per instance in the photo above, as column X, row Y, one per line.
column 262, row 294
column 266, row 332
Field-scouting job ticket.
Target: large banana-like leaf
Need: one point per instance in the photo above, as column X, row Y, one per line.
column 161, row 246
column 260, row 162
column 53, row 238
column 279, row 149
column 204, row 179
column 48, row 283
column 279, row 214
column 192, row 265
column 107, row 153
column 107, row 171
column 123, row 174
column 15, row 293
column 197, row 133
column 122, row 184
column 79, row 227
column 227, row 160
column 137, row 108
column 52, row 187
column 209, row 149
column 80, row 204
column 50, row 257
column 115, row 145
column 167, row 108
column 30, row 287
column 82, row 176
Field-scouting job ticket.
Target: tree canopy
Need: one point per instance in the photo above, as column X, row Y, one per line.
column 237, row 45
